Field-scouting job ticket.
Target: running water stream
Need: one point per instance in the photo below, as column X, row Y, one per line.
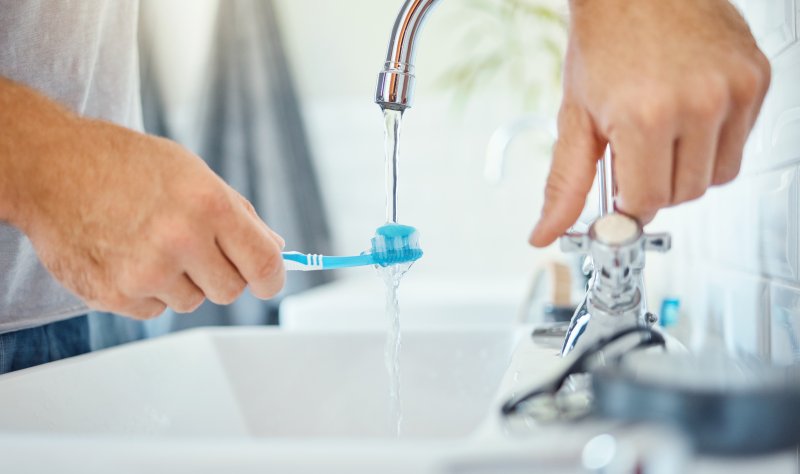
column 394, row 273
column 392, row 120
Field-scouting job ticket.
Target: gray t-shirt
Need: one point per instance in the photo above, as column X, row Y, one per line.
column 83, row 54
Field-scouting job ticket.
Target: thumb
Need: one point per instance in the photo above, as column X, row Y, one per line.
column 572, row 172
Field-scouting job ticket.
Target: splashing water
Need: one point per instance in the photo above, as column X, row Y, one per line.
column 391, row 278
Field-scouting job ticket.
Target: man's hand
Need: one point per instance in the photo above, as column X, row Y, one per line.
column 128, row 222
column 673, row 85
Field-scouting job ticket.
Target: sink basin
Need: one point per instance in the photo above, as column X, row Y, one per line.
column 425, row 301
column 265, row 383
column 269, row 400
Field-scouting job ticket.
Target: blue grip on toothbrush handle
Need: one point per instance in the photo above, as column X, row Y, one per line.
column 301, row 261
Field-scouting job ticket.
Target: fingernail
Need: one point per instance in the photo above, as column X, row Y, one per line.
column 531, row 234
column 279, row 239
column 534, row 233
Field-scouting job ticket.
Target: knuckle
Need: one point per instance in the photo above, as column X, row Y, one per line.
column 653, row 113
column 555, row 185
column 227, row 295
column 272, row 279
column 150, row 311
column 764, row 66
column 688, row 193
column 710, row 101
column 270, row 268
column 115, row 302
column 214, row 203
column 274, row 288
column 144, row 280
column 248, row 206
column 725, row 174
column 173, row 239
column 647, row 204
column 655, row 201
column 749, row 84
column 187, row 305
column 561, row 179
column 199, row 300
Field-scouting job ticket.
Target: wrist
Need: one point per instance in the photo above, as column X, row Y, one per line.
column 33, row 133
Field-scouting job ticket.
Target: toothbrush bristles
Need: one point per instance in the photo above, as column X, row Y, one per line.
column 395, row 244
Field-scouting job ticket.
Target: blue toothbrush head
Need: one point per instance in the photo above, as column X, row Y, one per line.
column 394, row 244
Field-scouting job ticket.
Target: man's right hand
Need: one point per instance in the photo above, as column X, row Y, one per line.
column 130, row 223
column 673, row 86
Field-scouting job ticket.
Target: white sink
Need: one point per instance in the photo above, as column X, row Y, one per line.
column 264, row 383
column 425, row 301
column 268, row 400
column 256, row 399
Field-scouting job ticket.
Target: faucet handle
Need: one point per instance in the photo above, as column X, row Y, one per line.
column 659, row 242
column 574, row 242
column 579, row 242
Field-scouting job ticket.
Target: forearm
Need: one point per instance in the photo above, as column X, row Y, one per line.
column 32, row 128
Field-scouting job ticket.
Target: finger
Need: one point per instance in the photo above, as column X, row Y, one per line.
column 183, row 296
column 732, row 138
column 695, row 156
column 251, row 210
column 148, row 308
column 214, row 274
column 278, row 239
column 643, row 165
column 748, row 98
column 141, row 308
column 571, row 175
column 254, row 252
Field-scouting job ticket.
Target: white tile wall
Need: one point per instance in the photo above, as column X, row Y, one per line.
column 776, row 211
column 745, row 304
column 732, row 232
column 785, row 323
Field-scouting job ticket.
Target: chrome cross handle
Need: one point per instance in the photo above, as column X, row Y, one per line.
column 615, row 298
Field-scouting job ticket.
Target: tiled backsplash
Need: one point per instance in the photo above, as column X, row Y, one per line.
column 736, row 262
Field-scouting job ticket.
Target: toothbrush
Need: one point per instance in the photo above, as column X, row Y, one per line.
column 393, row 244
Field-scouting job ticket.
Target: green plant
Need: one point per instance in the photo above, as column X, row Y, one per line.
column 514, row 43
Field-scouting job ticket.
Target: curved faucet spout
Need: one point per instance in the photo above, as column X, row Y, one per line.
column 396, row 81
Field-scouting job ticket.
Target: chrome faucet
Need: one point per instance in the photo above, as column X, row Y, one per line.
column 615, row 243
column 615, row 298
column 396, row 81
column 615, row 247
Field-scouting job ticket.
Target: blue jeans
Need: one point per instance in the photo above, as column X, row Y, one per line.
column 48, row 343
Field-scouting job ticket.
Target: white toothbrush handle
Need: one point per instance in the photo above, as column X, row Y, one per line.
column 312, row 262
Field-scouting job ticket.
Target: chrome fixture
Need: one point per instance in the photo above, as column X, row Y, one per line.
column 614, row 244
column 615, row 298
column 615, row 247
column 501, row 139
column 396, row 81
